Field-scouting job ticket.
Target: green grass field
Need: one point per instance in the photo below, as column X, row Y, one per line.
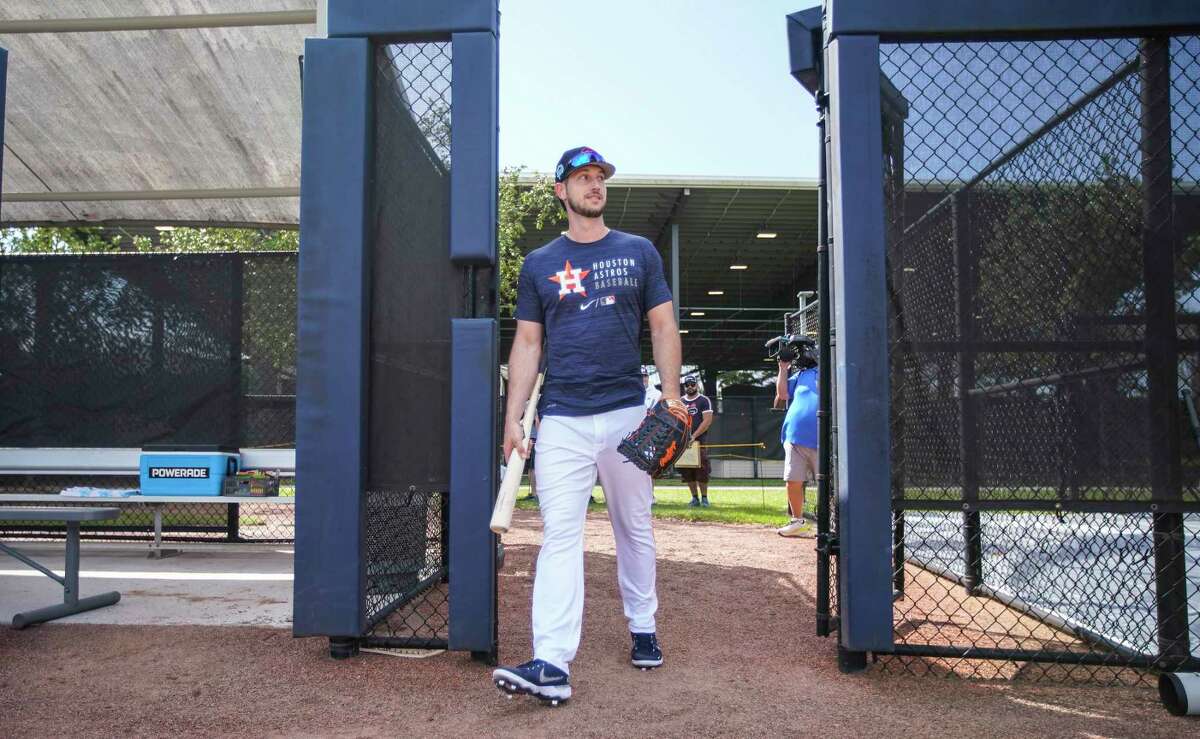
column 762, row 502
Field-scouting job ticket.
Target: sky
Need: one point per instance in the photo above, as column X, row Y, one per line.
column 659, row 87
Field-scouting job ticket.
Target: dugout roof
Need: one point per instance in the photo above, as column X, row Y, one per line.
column 153, row 111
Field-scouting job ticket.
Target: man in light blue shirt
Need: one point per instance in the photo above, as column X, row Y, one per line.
column 797, row 391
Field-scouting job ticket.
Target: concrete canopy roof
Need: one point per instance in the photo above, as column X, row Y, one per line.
column 174, row 125
column 719, row 222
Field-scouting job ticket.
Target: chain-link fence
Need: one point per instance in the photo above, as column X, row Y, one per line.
column 267, row 521
column 406, row 528
column 1043, row 226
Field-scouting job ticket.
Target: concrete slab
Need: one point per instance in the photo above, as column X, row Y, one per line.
column 208, row 584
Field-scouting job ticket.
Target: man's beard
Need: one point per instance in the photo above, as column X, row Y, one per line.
column 581, row 207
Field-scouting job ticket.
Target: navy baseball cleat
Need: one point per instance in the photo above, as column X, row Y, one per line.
column 537, row 678
column 645, row 653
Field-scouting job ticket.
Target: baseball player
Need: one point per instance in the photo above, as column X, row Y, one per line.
column 587, row 293
column 699, row 407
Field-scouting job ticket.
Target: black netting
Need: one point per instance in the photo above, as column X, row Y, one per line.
column 268, row 365
column 1043, row 247
column 744, row 434
column 406, row 568
column 415, row 292
column 123, row 350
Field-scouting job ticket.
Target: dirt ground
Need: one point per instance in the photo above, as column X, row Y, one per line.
column 735, row 620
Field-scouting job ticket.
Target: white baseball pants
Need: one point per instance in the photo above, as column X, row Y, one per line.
column 571, row 452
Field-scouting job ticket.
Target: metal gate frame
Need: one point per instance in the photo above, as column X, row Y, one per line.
column 835, row 55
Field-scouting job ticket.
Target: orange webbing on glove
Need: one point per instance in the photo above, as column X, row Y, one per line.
column 659, row 439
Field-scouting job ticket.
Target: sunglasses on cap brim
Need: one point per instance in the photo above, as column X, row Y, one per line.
column 584, row 158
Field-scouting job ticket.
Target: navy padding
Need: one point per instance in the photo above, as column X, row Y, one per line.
column 804, row 45
column 859, row 289
column 473, row 149
column 411, row 17
column 473, row 467
column 331, row 385
column 895, row 20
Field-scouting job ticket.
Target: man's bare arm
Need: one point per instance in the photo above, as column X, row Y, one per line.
column 781, row 393
column 523, row 362
column 664, row 339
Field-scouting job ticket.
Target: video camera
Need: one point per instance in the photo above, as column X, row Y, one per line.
column 800, row 350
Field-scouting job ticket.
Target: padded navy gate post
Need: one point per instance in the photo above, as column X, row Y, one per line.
column 333, row 438
column 475, row 344
column 473, row 486
column 331, row 355
column 859, row 293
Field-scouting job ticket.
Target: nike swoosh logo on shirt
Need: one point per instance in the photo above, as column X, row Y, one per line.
column 588, row 304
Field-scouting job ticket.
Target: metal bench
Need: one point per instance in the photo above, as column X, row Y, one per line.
column 154, row 502
column 72, row 603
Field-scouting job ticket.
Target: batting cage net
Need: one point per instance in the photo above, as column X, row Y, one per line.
column 1043, row 249
column 406, row 574
column 121, row 350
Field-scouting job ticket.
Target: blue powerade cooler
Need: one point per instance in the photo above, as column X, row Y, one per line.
column 186, row 469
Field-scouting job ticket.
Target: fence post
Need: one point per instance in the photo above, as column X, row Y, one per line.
column 1162, row 355
column 896, row 113
column 754, row 437
column 859, row 292
column 3, row 93
column 964, row 290
column 237, row 323
column 824, row 376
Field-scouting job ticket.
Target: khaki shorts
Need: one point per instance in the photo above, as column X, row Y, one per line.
column 799, row 463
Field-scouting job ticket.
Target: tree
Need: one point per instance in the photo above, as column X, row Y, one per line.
column 514, row 205
column 94, row 239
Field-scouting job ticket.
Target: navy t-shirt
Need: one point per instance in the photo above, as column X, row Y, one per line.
column 800, row 423
column 591, row 300
column 696, row 408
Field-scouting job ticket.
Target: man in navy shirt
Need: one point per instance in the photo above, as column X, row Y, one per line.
column 799, row 436
column 587, row 295
column 701, row 412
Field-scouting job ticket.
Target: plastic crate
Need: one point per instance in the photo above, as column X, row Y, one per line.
column 259, row 487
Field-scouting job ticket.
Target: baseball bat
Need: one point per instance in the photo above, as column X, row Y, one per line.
column 507, row 497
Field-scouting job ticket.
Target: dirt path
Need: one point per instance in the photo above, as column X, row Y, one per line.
column 736, row 622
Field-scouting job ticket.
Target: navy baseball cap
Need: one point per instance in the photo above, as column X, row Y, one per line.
column 690, row 380
column 581, row 156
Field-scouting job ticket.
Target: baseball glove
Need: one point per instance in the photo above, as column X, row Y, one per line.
column 659, row 439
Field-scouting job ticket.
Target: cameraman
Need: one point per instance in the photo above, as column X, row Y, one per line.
column 796, row 390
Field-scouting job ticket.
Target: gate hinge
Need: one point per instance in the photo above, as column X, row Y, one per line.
column 827, row 544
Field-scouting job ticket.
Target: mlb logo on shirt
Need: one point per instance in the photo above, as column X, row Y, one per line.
column 608, row 300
